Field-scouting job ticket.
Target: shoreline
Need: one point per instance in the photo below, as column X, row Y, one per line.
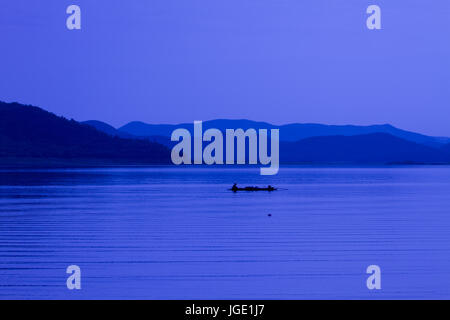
column 58, row 163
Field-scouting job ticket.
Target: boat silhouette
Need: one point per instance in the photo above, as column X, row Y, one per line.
column 235, row 188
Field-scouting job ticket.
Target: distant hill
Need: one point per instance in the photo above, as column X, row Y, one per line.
column 370, row 148
column 31, row 132
column 376, row 148
column 35, row 135
column 108, row 129
column 446, row 148
column 290, row 132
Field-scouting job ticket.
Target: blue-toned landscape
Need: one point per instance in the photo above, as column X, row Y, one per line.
column 226, row 149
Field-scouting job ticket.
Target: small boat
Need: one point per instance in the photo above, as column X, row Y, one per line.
column 235, row 188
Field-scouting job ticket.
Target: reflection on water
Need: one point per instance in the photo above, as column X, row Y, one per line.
column 162, row 233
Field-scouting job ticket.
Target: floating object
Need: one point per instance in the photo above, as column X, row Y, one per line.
column 235, row 188
column 269, row 215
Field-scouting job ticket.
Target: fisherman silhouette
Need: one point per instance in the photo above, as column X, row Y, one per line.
column 235, row 188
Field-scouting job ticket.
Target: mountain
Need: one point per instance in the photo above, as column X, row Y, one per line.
column 370, row 148
column 35, row 135
column 315, row 130
column 142, row 129
column 31, row 132
column 446, row 148
column 374, row 147
column 108, row 129
column 290, row 132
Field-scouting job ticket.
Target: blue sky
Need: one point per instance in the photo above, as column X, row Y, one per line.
column 170, row 61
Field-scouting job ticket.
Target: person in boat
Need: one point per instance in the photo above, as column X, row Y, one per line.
column 235, row 188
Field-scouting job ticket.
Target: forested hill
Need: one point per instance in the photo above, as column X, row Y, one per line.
column 31, row 132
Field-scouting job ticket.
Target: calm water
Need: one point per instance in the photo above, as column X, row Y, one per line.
column 162, row 233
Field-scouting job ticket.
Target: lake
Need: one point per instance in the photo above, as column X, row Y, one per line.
column 178, row 233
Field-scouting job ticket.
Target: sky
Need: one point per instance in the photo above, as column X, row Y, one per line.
column 280, row 61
